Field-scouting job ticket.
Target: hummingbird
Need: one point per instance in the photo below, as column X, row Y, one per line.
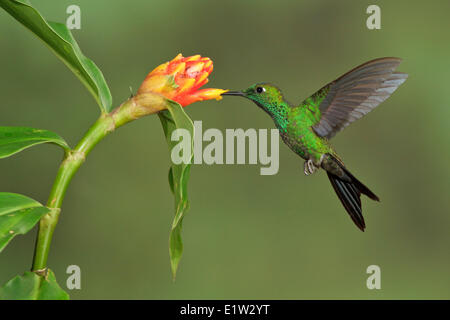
column 307, row 128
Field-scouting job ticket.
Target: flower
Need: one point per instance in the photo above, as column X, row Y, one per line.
column 180, row 80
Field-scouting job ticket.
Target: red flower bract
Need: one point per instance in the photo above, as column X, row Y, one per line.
column 180, row 80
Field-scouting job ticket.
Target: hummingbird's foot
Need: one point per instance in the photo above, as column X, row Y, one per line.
column 310, row 168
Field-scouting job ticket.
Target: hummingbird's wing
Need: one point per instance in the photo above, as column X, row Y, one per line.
column 355, row 94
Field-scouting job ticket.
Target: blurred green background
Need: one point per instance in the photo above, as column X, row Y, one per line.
column 246, row 236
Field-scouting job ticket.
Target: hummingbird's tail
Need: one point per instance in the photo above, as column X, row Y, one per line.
column 348, row 189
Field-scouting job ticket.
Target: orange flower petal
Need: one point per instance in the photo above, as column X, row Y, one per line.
column 208, row 63
column 161, row 69
column 177, row 68
column 207, row 94
column 202, row 79
column 178, row 57
column 185, row 85
column 193, row 58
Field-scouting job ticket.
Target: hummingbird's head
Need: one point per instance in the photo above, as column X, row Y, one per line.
column 265, row 95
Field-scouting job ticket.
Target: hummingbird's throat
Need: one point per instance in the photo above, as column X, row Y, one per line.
column 278, row 112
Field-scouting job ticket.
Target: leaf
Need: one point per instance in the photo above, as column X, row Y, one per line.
column 30, row 286
column 18, row 215
column 176, row 118
column 60, row 40
column 16, row 139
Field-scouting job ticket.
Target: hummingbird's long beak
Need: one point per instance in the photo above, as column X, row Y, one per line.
column 233, row 93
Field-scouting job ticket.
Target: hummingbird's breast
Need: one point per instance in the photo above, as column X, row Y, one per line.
column 302, row 139
column 295, row 140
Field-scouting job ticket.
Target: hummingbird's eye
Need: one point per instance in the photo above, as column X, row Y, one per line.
column 260, row 89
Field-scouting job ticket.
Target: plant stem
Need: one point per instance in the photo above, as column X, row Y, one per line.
column 69, row 166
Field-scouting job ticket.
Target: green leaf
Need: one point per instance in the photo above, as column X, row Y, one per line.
column 16, row 139
column 30, row 286
column 18, row 215
column 60, row 40
column 176, row 118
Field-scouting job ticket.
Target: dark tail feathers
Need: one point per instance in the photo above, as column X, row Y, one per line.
column 349, row 190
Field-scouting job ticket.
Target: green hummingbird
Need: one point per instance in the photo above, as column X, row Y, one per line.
column 307, row 128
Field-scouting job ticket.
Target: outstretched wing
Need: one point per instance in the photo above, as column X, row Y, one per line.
column 355, row 94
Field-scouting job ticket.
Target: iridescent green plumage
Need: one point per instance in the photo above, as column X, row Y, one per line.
column 307, row 127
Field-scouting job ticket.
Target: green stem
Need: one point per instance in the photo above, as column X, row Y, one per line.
column 69, row 166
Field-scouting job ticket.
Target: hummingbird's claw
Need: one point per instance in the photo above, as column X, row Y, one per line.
column 310, row 168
